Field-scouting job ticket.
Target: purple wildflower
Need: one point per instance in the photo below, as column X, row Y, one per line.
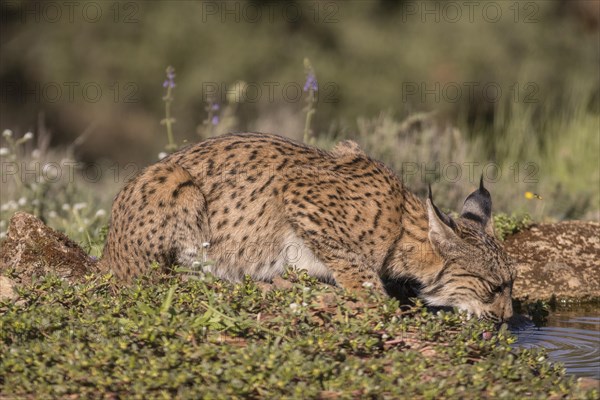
column 311, row 82
column 215, row 107
column 170, row 81
column 215, row 120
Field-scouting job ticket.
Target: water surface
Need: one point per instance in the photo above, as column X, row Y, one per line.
column 569, row 337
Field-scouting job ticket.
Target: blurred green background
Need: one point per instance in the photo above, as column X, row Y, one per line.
column 441, row 91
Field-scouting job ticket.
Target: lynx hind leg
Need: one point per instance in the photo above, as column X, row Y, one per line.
column 158, row 217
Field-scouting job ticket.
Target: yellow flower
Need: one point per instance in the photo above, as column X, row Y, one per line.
column 531, row 196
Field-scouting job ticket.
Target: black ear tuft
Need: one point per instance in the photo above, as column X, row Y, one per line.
column 442, row 216
column 478, row 207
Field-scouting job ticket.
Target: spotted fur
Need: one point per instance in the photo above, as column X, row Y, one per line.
column 264, row 202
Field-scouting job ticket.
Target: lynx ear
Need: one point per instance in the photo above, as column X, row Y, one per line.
column 478, row 208
column 441, row 227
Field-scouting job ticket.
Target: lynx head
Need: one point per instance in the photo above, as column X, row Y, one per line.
column 477, row 275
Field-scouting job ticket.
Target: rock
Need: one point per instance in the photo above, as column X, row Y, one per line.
column 585, row 384
column 7, row 289
column 558, row 260
column 33, row 249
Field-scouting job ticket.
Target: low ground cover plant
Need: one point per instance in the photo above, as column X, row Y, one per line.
column 171, row 337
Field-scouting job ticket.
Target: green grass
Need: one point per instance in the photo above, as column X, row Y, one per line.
column 505, row 225
column 166, row 338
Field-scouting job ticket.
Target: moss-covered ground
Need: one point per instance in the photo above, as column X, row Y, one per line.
column 205, row 338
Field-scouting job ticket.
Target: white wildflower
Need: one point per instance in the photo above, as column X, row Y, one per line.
column 294, row 306
column 86, row 221
column 196, row 264
column 7, row 133
column 100, row 213
column 4, row 151
column 2, row 224
column 28, row 136
column 304, row 304
column 12, row 205
column 22, row 201
column 306, row 289
column 384, row 336
column 79, row 206
column 4, row 207
column 36, row 153
column 162, row 155
column 80, row 230
column 2, row 235
column 367, row 285
column 66, row 207
column 52, row 214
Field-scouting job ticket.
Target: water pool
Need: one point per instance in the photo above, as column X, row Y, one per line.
column 570, row 337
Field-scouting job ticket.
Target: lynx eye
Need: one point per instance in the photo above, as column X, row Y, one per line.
column 498, row 289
